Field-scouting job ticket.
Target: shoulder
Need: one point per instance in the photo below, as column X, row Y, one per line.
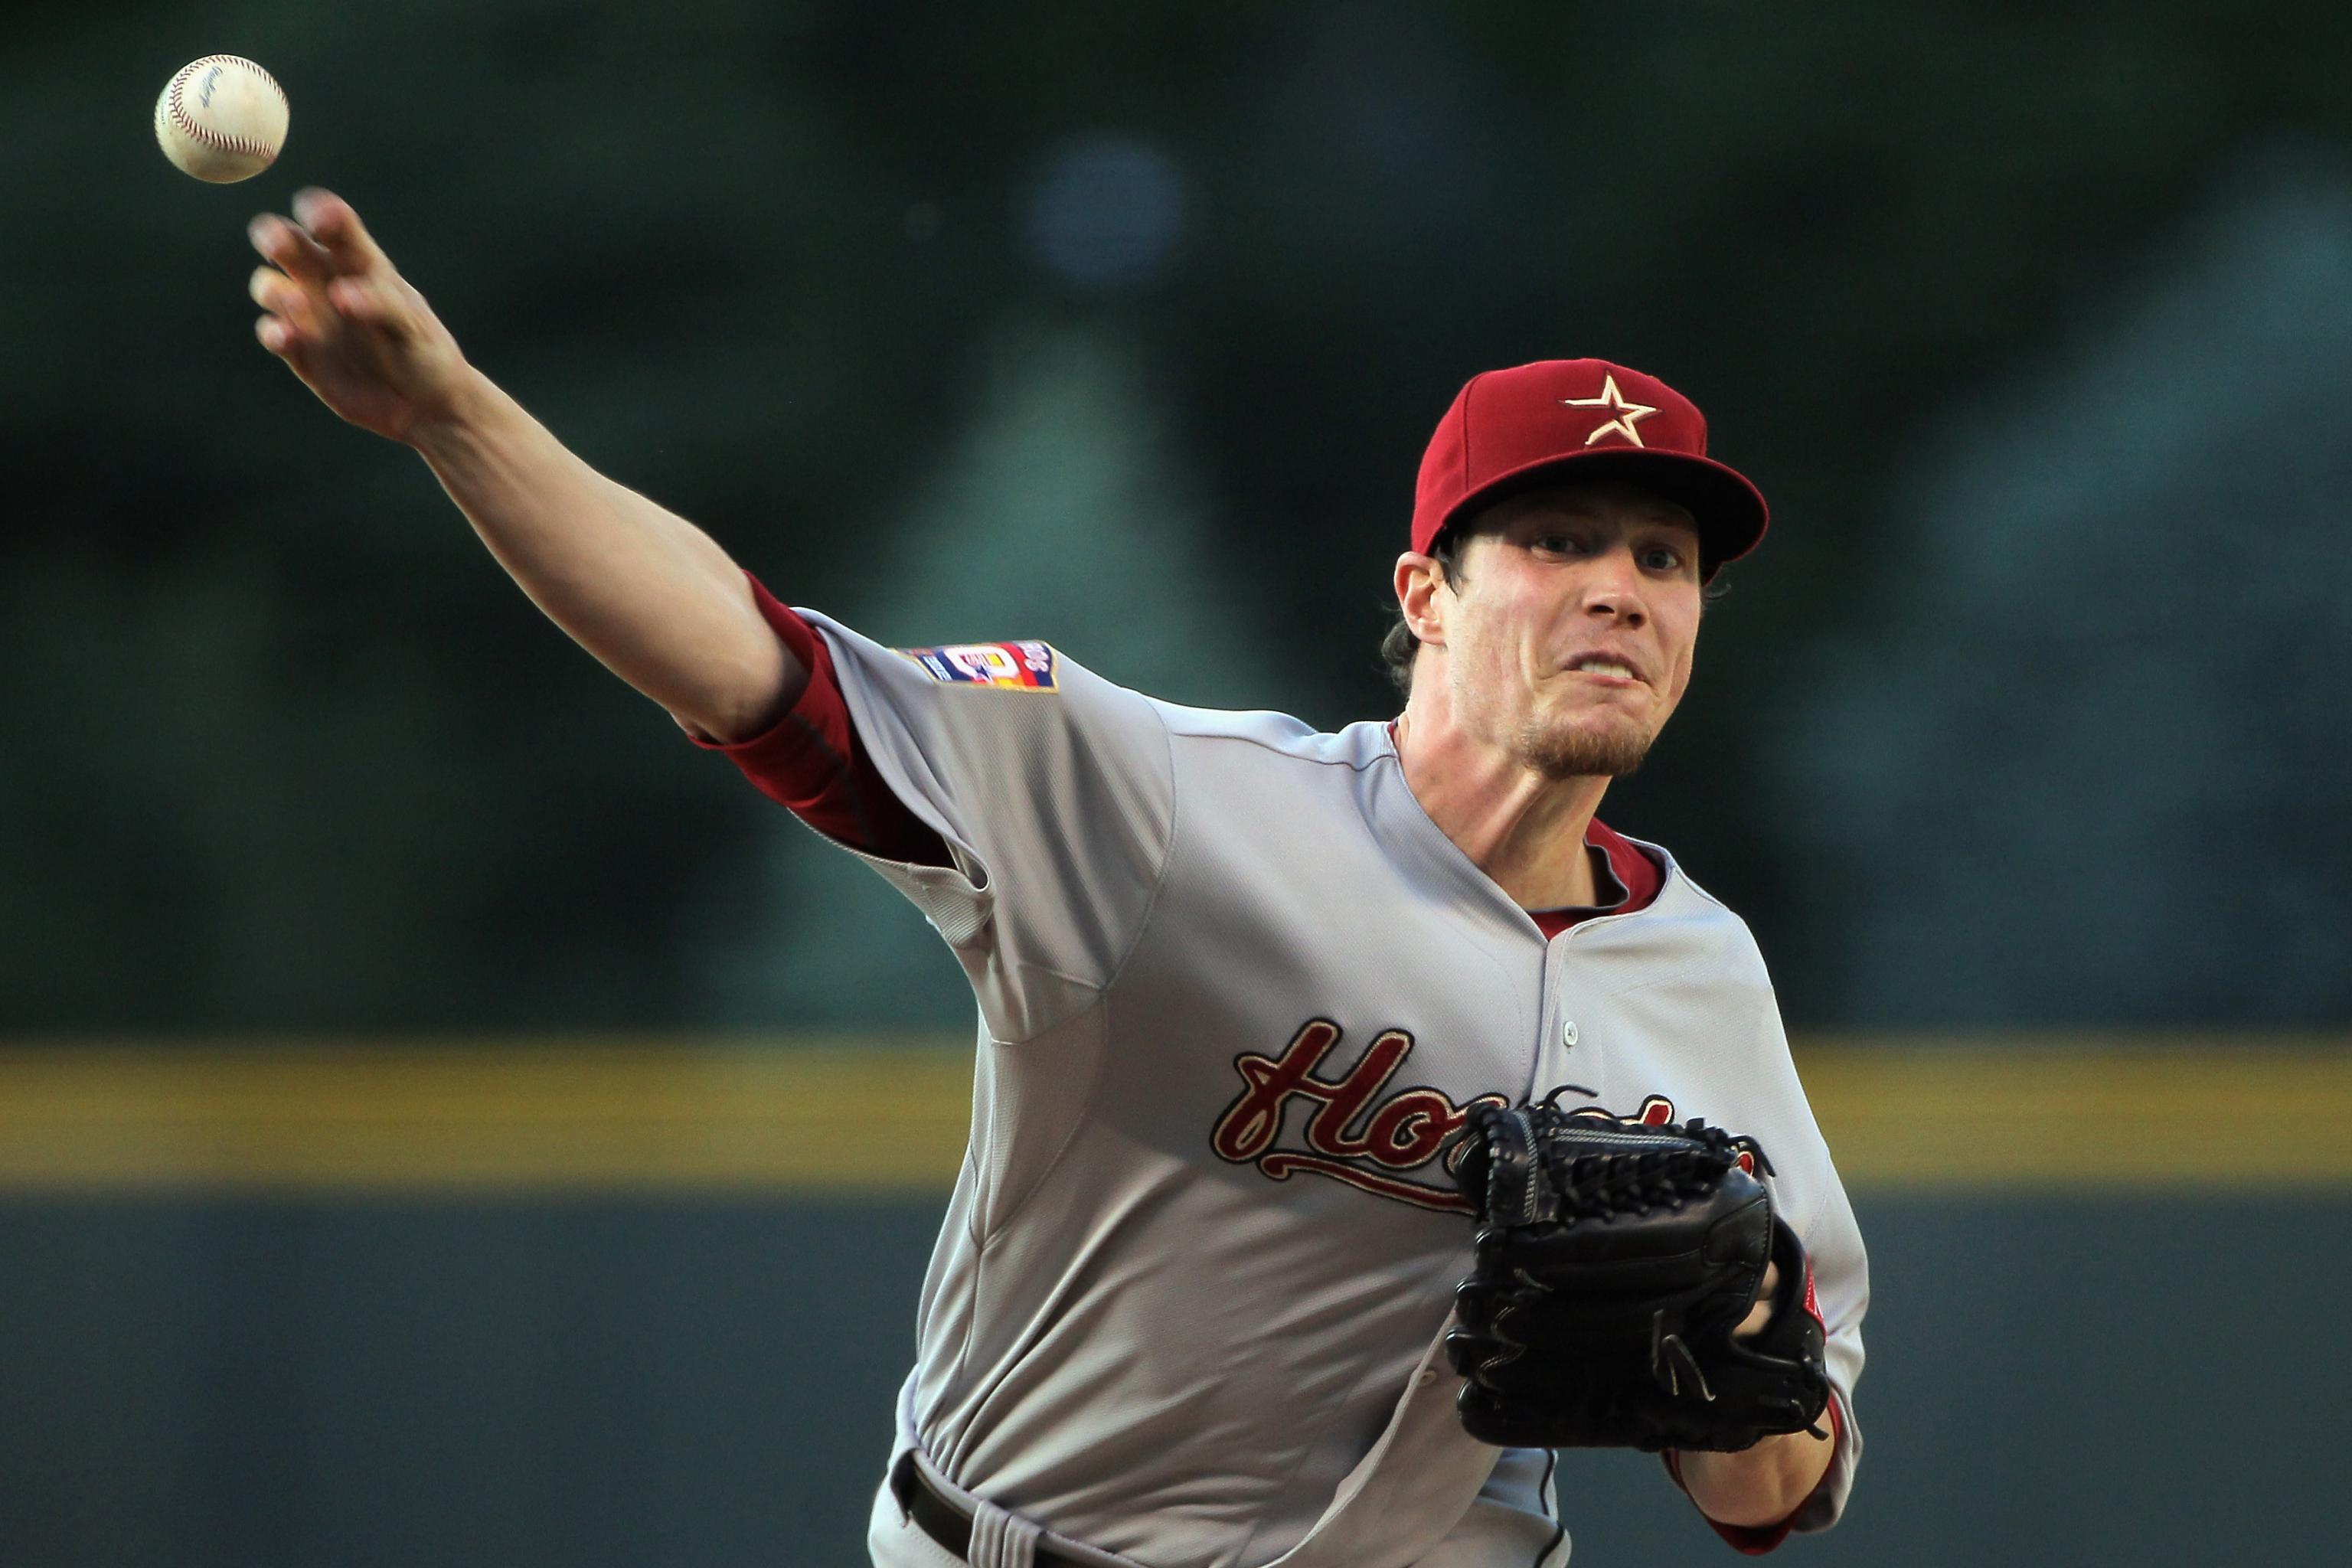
column 1675, row 882
column 1695, row 917
column 1356, row 747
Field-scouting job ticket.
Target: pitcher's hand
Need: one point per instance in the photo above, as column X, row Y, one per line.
column 349, row 325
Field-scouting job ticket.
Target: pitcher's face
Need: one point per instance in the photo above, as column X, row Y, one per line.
column 1569, row 635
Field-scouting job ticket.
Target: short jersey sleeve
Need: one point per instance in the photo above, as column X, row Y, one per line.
column 1053, row 792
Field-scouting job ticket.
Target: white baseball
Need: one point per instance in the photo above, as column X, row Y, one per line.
column 221, row 118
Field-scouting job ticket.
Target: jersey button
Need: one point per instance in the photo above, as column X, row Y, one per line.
column 1568, row 1033
column 1428, row 1375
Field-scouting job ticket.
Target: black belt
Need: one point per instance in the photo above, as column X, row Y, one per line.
column 945, row 1522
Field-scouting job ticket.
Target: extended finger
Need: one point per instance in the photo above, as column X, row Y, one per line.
column 366, row 299
column 273, row 292
column 338, row 230
column 278, row 336
column 295, row 252
column 370, row 301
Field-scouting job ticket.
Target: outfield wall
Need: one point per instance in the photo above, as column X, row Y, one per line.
column 524, row 1304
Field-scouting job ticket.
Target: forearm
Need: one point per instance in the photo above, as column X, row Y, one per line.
column 655, row 599
column 1757, row 1486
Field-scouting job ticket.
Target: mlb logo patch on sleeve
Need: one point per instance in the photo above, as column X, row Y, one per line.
column 1014, row 666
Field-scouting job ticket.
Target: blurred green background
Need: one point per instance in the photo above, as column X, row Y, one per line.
column 1123, row 327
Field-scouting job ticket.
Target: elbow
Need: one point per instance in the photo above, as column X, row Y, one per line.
column 749, row 704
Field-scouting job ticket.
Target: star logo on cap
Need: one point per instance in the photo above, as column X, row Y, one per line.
column 1628, row 414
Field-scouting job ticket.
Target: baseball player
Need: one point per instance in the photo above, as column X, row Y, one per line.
column 1239, row 984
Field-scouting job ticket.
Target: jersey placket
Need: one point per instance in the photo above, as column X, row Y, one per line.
column 1560, row 1052
column 1567, row 1050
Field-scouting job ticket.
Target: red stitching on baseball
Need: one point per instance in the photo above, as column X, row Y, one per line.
column 185, row 121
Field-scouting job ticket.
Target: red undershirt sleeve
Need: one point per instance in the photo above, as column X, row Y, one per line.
column 812, row 762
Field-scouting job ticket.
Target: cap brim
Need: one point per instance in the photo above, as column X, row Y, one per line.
column 1730, row 512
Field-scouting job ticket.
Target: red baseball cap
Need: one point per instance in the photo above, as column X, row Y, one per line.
column 1562, row 420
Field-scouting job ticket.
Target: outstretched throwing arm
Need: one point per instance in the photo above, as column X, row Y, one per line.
column 650, row 594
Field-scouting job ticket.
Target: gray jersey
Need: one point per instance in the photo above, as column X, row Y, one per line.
column 1234, row 989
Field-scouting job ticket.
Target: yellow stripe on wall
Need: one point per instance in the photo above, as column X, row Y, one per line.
column 2069, row 1113
column 506, row 1116
column 2073, row 1112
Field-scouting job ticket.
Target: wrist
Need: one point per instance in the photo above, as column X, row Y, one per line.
column 461, row 419
column 1758, row 1487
